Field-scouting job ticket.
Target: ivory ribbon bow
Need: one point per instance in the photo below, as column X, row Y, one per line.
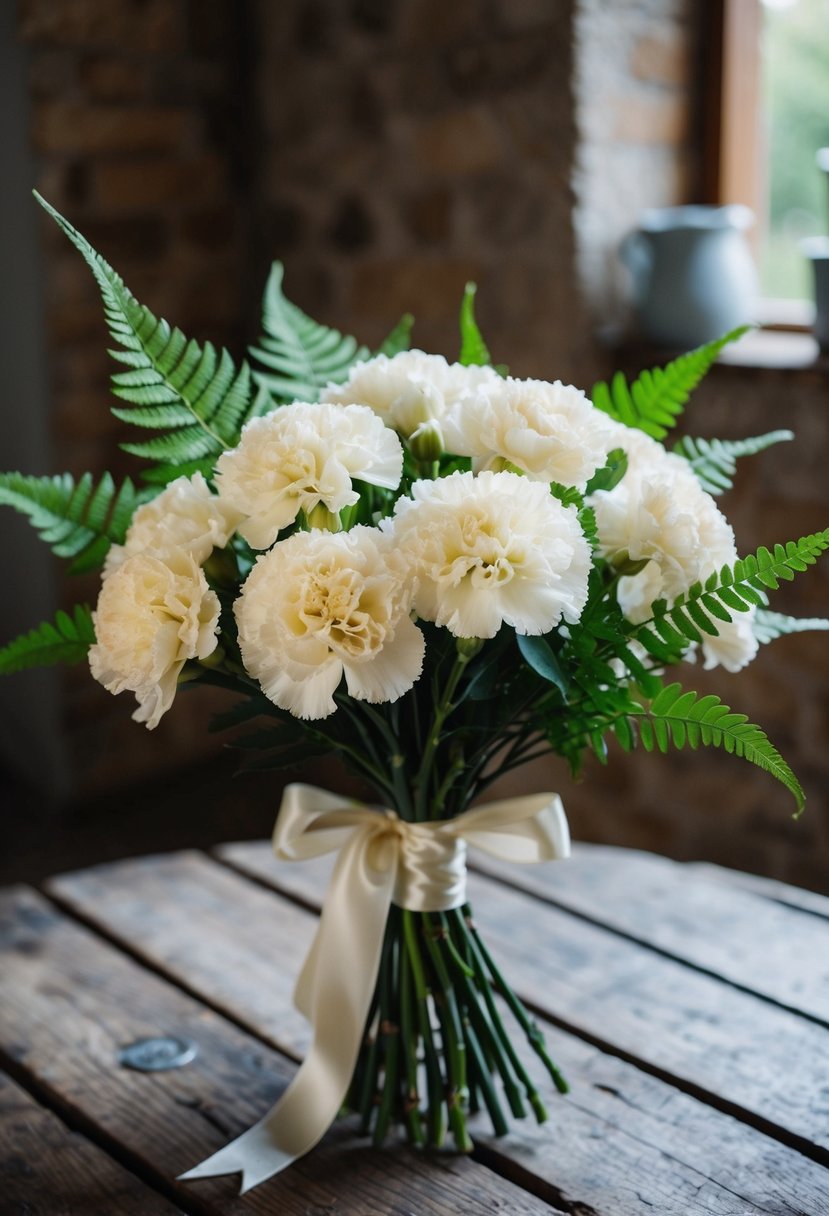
column 382, row 860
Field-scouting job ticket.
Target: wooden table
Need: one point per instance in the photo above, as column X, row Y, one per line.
column 687, row 1006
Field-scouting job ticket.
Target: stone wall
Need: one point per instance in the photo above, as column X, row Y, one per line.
column 139, row 129
column 412, row 145
column 636, row 92
column 388, row 151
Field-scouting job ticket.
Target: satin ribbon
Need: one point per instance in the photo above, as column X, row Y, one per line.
column 381, row 860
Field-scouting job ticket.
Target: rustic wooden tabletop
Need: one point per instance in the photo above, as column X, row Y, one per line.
column 687, row 1005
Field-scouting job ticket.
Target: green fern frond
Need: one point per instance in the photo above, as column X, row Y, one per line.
column 732, row 589
column 681, row 719
column 300, row 356
column 654, row 401
column 474, row 350
column 193, row 395
column 399, row 339
column 770, row 625
column 65, row 641
column 78, row 520
column 715, row 460
column 568, row 496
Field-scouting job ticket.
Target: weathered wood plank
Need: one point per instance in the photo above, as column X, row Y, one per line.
column 761, row 945
column 619, row 1141
column 48, row 1170
column 800, row 898
column 181, row 909
column 69, row 1000
column 741, row 1051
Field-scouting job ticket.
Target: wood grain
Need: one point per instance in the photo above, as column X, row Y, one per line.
column 620, row 1141
column 748, row 940
column 69, row 1000
column 48, row 1170
column 714, row 1040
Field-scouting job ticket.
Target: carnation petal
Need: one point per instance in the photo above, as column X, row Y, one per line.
column 393, row 671
column 309, row 697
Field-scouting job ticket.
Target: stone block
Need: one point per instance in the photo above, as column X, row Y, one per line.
column 52, row 72
column 525, row 14
column 431, row 289
column 429, row 215
column 498, row 64
column 462, row 141
column 141, row 184
column 153, row 25
column 662, row 58
column 657, row 119
column 72, row 127
column 352, row 227
column 112, row 78
column 209, row 228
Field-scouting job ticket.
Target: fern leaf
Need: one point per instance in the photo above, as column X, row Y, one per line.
column 678, row 718
column 732, row 589
column 399, row 339
column 300, row 356
column 77, row 519
column 715, row 460
column 65, row 641
column 193, row 395
column 770, row 625
column 474, row 350
column 654, row 401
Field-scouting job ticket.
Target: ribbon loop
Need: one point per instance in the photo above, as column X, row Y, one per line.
column 381, row 860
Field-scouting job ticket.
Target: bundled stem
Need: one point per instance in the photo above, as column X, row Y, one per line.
column 436, row 1048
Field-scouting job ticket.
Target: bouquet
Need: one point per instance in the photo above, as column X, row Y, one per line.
column 439, row 572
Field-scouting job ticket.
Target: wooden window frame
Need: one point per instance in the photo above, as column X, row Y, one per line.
column 734, row 165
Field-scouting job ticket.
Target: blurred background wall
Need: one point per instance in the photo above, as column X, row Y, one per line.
column 387, row 151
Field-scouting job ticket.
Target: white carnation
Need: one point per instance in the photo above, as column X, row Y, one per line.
column 302, row 455
column 735, row 645
column 320, row 605
column 411, row 390
column 659, row 513
column 551, row 431
column 151, row 617
column 490, row 549
column 184, row 516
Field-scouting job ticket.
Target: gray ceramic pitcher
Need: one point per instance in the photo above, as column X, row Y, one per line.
column 693, row 274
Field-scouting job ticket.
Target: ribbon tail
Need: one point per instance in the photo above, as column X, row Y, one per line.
column 255, row 1155
column 347, row 954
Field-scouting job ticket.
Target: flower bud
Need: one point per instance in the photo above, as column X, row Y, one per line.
column 427, row 442
column 320, row 517
column 467, row 648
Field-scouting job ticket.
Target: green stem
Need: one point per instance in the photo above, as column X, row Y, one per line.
column 484, row 985
column 443, row 708
column 530, row 1027
column 454, row 1045
column 388, row 1032
column 408, row 1043
column 434, row 1081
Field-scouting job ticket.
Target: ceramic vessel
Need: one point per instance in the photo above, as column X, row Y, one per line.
column 693, row 274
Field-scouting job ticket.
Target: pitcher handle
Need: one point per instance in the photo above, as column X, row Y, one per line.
column 636, row 254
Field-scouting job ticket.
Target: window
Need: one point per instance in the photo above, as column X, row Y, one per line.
column 768, row 118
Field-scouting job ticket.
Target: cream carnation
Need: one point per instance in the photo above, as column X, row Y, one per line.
column 151, row 617
column 185, row 516
column 320, row 605
column 659, row 513
column 551, row 431
column 411, row 390
column 492, row 549
column 302, row 455
column 735, row 644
